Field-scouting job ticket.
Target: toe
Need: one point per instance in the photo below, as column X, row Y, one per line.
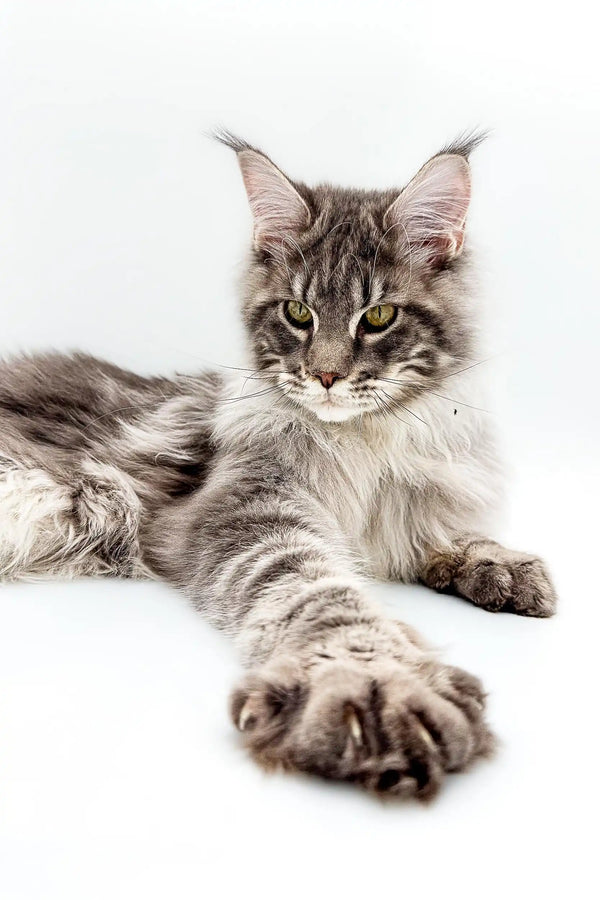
column 534, row 594
column 491, row 585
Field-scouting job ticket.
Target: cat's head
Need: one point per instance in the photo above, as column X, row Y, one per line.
column 357, row 301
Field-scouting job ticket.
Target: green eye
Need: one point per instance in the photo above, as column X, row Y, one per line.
column 379, row 317
column 298, row 314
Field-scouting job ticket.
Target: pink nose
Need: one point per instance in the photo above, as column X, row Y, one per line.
column 327, row 378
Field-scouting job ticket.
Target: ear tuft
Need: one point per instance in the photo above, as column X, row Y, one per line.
column 465, row 143
column 430, row 213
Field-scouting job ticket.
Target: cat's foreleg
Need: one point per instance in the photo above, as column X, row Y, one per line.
column 491, row 576
column 334, row 688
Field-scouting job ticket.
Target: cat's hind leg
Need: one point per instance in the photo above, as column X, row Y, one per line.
column 83, row 521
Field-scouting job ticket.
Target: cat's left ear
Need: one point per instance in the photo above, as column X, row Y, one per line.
column 430, row 213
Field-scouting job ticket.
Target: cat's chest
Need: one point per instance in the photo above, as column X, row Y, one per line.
column 351, row 473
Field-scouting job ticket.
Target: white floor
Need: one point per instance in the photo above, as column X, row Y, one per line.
column 121, row 776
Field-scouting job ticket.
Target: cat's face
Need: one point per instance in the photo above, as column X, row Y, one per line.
column 355, row 301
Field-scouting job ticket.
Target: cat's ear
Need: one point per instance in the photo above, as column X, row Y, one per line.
column 430, row 213
column 279, row 212
column 277, row 208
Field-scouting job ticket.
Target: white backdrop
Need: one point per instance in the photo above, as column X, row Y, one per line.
column 122, row 228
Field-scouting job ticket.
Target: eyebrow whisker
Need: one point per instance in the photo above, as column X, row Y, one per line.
column 395, row 225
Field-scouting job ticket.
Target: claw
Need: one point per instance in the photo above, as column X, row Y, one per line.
column 424, row 735
column 245, row 717
column 354, row 727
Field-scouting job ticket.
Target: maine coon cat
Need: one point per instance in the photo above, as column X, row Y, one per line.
column 268, row 494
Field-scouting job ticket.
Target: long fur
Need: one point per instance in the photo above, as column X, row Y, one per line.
column 344, row 450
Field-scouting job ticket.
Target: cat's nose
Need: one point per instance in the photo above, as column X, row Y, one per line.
column 327, row 378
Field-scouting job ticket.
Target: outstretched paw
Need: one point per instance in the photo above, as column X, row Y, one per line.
column 392, row 728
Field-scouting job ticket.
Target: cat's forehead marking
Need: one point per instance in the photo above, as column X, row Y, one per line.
column 334, row 288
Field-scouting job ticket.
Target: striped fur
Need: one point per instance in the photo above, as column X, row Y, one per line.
column 270, row 497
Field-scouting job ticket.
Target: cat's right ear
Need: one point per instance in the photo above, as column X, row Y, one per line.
column 278, row 210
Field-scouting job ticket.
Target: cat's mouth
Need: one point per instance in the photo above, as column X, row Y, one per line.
column 337, row 404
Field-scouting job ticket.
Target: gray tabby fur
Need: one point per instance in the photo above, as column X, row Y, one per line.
column 269, row 499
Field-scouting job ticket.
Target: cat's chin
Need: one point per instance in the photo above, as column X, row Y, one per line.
column 329, row 412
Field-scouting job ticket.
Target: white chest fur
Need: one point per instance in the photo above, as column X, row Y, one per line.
column 397, row 486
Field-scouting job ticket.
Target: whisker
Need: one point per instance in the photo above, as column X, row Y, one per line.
column 408, row 410
column 264, row 375
column 391, row 411
column 200, row 359
column 248, row 378
column 385, row 409
column 284, row 397
column 466, row 368
column 426, row 390
column 401, row 381
column 268, row 390
column 461, row 403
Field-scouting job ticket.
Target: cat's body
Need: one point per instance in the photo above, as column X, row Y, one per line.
column 267, row 495
column 394, row 487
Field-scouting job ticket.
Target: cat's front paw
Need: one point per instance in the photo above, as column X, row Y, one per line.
column 395, row 729
column 500, row 579
column 495, row 578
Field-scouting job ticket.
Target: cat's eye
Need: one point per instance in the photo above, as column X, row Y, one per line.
column 379, row 317
column 298, row 314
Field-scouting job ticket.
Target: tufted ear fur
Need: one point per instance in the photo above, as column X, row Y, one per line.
column 277, row 208
column 279, row 212
column 431, row 211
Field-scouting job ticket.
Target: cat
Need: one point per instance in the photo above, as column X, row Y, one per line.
column 269, row 494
